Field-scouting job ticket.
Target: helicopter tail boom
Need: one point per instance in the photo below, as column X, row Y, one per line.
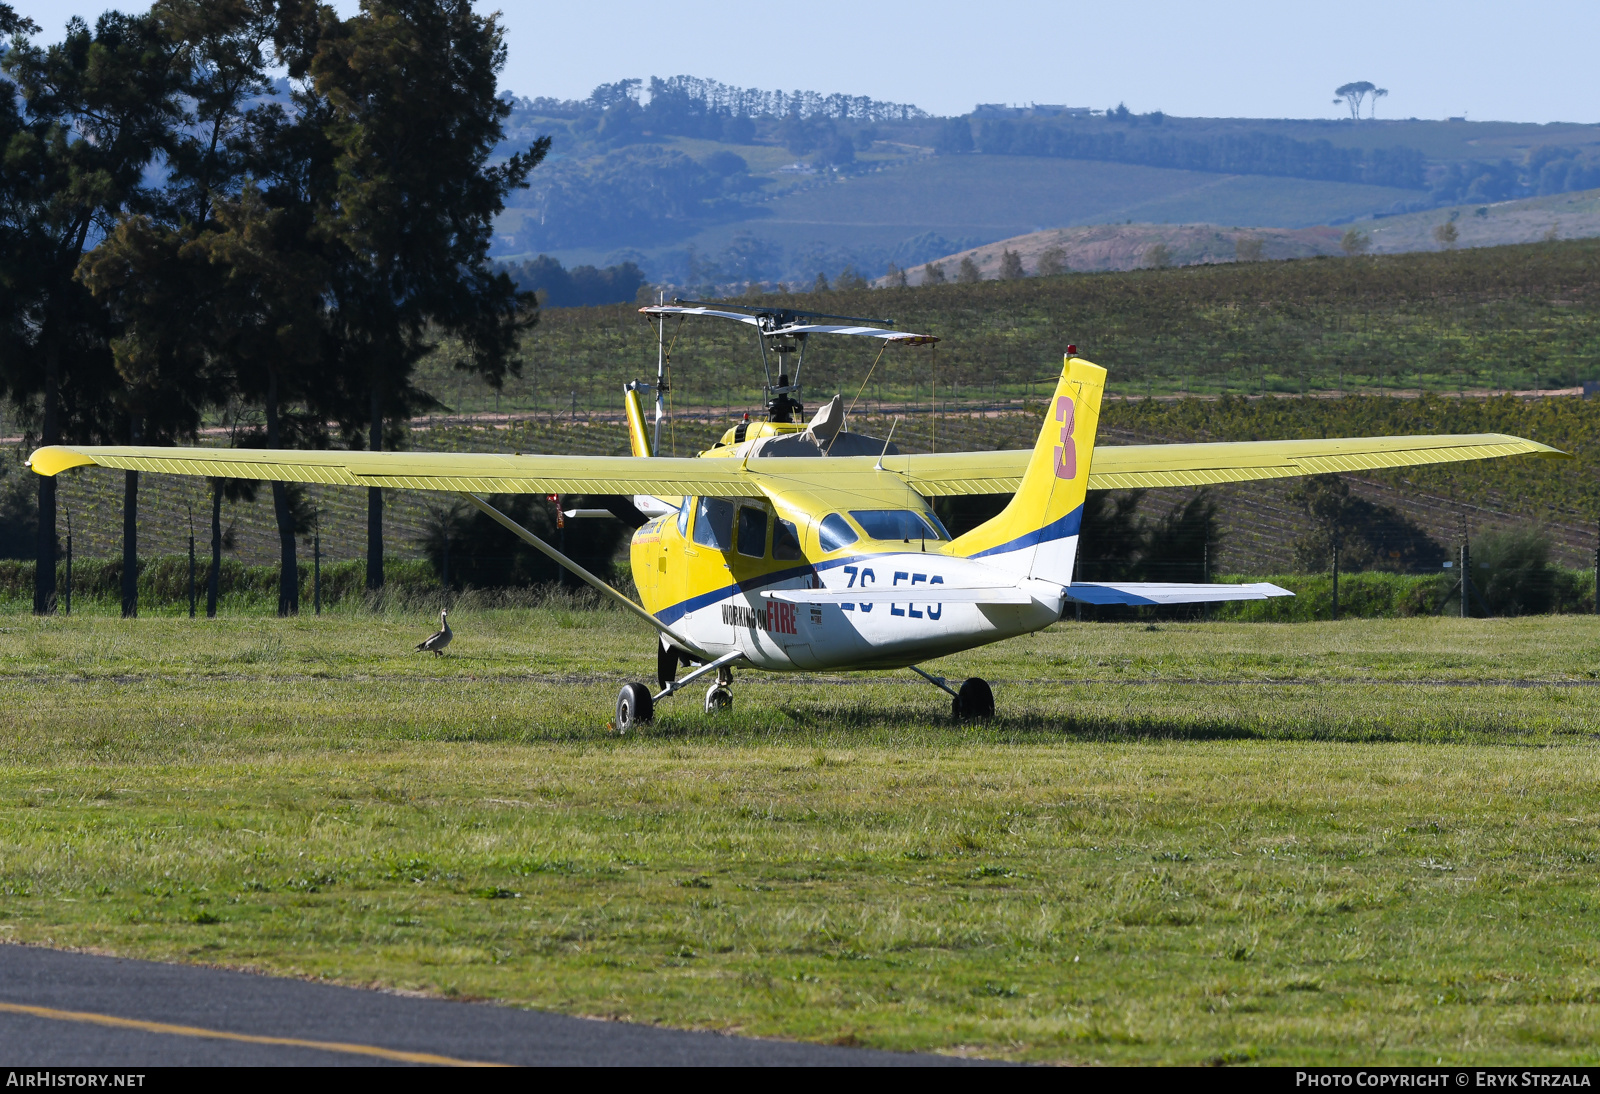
column 638, row 429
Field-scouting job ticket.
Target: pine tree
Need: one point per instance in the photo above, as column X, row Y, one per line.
column 94, row 111
column 413, row 118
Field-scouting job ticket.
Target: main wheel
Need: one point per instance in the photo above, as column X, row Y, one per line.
column 718, row 698
column 634, row 707
column 974, row 700
column 666, row 662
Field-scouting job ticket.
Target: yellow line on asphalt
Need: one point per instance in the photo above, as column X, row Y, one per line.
column 248, row 1038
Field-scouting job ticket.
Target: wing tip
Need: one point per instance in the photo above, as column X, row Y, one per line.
column 51, row 460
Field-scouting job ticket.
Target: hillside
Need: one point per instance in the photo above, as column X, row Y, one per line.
column 1110, row 247
column 1518, row 317
column 1127, row 246
column 909, row 209
column 702, row 195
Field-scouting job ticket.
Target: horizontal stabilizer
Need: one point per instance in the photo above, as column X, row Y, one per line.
column 1165, row 592
column 920, row 594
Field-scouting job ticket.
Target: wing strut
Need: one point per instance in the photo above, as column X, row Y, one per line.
column 600, row 586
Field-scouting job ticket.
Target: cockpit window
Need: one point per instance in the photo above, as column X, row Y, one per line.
column 683, row 516
column 834, row 532
column 898, row 524
column 713, row 523
column 752, row 531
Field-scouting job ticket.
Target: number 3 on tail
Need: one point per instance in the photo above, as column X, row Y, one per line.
column 1067, row 450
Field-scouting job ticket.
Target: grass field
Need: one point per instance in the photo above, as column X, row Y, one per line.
column 1355, row 842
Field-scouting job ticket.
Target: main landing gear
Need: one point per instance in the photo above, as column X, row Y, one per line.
column 974, row 702
column 636, row 706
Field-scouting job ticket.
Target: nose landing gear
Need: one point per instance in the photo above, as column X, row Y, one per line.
column 719, row 696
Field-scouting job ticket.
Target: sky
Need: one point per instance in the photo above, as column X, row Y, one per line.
column 1529, row 62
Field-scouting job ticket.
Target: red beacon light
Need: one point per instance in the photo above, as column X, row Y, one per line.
column 1072, row 351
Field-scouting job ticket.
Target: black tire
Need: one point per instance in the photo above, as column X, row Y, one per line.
column 974, row 700
column 634, row 707
column 666, row 662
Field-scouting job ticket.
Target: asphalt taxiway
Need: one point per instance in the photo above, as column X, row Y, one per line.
column 82, row 1010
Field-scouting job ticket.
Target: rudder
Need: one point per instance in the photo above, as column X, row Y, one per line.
column 1036, row 535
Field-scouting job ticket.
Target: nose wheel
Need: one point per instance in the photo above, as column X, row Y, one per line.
column 719, row 697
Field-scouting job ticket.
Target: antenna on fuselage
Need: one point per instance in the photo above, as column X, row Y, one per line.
column 886, row 441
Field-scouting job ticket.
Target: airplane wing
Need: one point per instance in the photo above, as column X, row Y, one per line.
column 474, row 472
column 1124, row 467
column 928, row 475
column 1164, row 592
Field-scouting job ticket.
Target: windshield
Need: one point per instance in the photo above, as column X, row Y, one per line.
column 713, row 523
column 834, row 532
column 898, row 524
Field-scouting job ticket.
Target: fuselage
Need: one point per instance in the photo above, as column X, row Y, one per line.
column 703, row 569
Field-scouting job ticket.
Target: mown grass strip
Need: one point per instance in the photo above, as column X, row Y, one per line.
column 1351, row 870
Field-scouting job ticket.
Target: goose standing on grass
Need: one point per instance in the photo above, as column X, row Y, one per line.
column 437, row 642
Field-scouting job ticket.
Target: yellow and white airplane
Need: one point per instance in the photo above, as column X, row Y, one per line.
column 780, row 553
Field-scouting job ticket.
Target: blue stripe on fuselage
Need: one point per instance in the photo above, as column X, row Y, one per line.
column 705, row 600
column 1056, row 529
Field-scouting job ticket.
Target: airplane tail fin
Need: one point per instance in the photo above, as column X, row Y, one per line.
column 638, row 430
column 1036, row 535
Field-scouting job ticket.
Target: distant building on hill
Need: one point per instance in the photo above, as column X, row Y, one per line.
column 1032, row 110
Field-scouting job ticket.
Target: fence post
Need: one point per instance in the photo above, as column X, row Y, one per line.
column 191, row 575
column 1466, row 577
column 1596, row 577
column 1336, row 540
column 316, row 571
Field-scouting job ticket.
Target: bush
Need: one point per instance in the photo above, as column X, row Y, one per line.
column 1378, row 595
column 1372, row 595
column 1511, row 569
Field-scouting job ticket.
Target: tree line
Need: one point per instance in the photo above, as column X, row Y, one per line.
column 687, row 99
column 180, row 238
column 1242, row 154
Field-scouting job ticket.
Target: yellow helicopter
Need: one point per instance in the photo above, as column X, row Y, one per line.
column 795, row 547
